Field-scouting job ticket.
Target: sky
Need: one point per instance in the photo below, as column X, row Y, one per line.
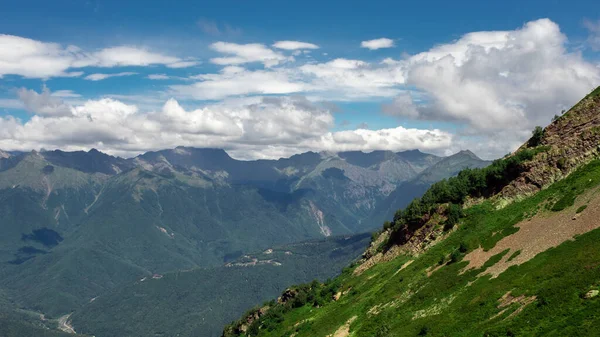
column 269, row 79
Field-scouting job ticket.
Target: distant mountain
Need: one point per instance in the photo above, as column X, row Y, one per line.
column 450, row 166
column 419, row 160
column 78, row 224
column 92, row 161
column 407, row 191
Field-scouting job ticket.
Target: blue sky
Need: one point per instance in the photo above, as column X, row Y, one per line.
column 355, row 75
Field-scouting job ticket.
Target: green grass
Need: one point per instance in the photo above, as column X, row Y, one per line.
column 514, row 255
column 454, row 302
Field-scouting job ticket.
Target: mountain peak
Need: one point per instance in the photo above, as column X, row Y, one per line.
column 466, row 153
column 4, row 154
column 414, row 151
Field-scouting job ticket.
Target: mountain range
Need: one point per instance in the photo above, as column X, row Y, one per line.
column 79, row 224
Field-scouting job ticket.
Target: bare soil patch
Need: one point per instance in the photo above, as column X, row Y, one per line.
column 344, row 330
column 540, row 233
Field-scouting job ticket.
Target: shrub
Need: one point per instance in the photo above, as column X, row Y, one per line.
column 455, row 256
column 536, row 136
column 454, row 214
column 387, row 225
column 562, row 163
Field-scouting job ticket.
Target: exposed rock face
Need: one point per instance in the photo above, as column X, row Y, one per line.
column 287, row 295
column 573, row 139
column 248, row 320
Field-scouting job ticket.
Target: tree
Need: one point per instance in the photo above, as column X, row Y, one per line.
column 536, row 136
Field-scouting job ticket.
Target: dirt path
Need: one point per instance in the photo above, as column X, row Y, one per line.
column 539, row 234
column 65, row 325
column 344, row 330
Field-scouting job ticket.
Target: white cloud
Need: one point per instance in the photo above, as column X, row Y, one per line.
column 378, row 43
column 43, row 104
column 246, row 53
column 36, row 59
column 498, row 80
column 100, row 77
column 11, row 103
column 234, row 81
column 158, row 77
column 484, row 83
column 65, row 94
column 339, row 79
column 345, row 79
column 255, row 128
column 294, row 45
column 402, row 105
column 394, row 139
column 183, row 64
column 30, row 58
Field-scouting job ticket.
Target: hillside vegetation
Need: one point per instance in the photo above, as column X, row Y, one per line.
column 507, row 250
column 201, row 301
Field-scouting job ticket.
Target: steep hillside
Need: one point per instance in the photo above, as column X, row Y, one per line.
column 508, row 250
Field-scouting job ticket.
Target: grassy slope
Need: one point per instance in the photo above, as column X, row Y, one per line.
column 448, row 303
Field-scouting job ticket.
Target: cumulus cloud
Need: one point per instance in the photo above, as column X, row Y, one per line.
column 100, row 77
column 44, row 103
column 497, row 80
column 394, row 139
column 294, row 45
column 246, row 53
column 265, row 127
column 402, row 105
column 36, row 59
column 377, row 43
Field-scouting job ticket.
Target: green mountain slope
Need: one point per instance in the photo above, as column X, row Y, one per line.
column 199, row 302
column 519, row 258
